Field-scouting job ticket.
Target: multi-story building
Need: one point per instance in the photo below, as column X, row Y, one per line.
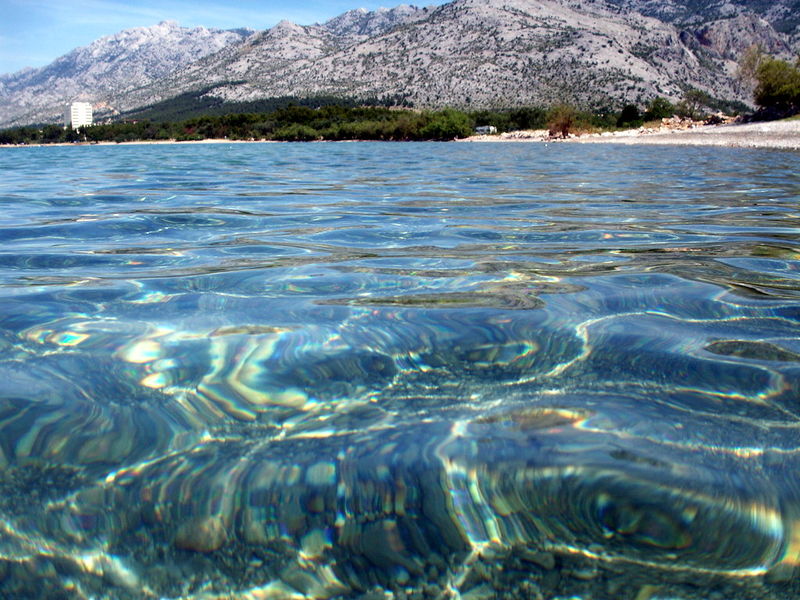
column 78, row 114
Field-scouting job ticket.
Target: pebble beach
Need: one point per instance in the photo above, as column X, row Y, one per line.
column 783, row 135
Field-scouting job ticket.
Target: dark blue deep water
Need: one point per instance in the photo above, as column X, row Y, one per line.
column 399, row 371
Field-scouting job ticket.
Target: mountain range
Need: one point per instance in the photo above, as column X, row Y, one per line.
column 466, row 53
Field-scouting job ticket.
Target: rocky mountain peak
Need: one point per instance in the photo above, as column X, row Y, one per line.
column 361, row 22
column 285, row 27
column 730, row 37
column 468, row 53
column 128, row 59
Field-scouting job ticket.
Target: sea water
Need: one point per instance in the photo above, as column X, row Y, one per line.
column 399, row 371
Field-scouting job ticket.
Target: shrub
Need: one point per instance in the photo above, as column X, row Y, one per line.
column 181, row 137
column 296, row 133
column 561, row 120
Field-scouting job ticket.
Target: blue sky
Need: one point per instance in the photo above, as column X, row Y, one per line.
column 33, row 33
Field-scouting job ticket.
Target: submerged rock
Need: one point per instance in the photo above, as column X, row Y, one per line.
column 201, row 534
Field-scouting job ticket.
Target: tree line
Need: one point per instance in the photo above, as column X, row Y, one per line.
column 337, row 122
column 293, row 123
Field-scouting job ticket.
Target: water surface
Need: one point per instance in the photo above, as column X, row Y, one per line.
column 421, row 370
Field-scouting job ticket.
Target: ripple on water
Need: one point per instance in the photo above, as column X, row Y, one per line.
column 334, row 370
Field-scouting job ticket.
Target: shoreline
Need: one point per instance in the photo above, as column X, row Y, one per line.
column 778, row 135
column 139, row 143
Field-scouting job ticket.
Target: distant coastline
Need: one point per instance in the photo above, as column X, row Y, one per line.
column 141, row 143
column 783, row 135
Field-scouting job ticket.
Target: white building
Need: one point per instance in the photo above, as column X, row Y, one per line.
column 78, row 114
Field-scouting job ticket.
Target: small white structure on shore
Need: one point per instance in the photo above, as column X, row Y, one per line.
column 486, row 130
column 77, row 115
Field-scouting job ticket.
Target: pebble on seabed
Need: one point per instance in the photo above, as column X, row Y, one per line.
column 201, row 534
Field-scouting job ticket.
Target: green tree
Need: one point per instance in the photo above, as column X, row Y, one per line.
column 527, row 118
column 72, row 135
column 629, row 117
column 53, row 134
column 446, row 125
column 778, row 85
column 659, row 108
column 296, row 133
column 693, row 102
column 16, row 135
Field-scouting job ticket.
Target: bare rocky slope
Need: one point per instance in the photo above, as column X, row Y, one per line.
column 467, row 53
column 483, row 53
column 783, row 15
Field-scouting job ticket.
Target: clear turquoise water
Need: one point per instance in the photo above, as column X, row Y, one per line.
column 421, row 370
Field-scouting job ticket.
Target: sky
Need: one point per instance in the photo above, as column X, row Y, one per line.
column 33, row 33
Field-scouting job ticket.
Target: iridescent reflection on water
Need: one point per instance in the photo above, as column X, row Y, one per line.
column 407, row 371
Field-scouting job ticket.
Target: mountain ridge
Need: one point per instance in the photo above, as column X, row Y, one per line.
column 109, row 65
column 466, row 53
